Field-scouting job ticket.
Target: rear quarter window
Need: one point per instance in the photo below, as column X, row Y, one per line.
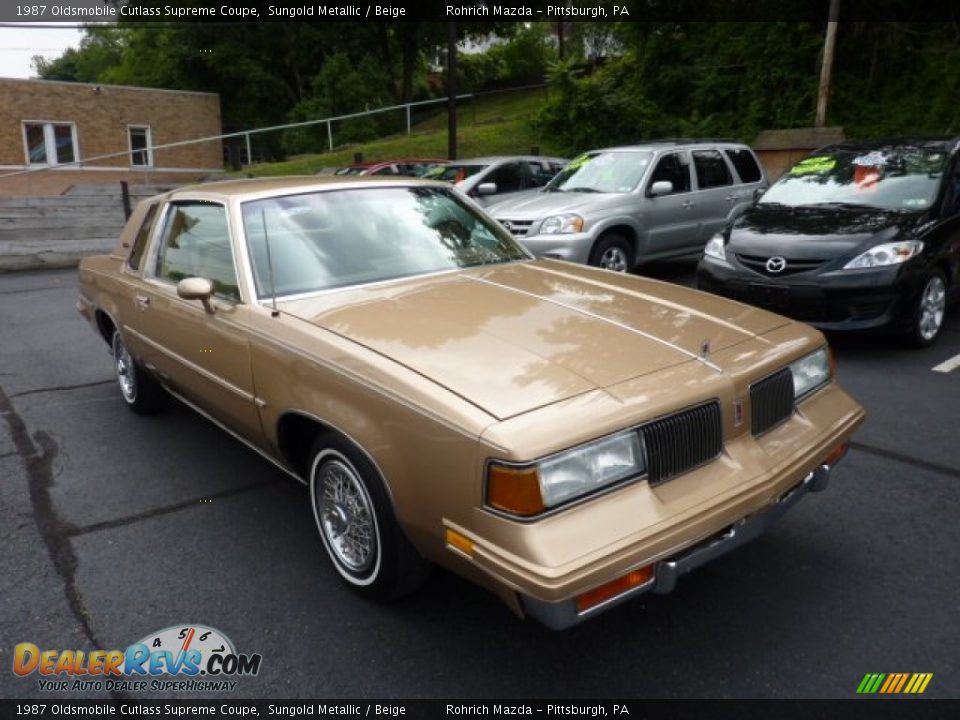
column 745, row 165
column 143, row 234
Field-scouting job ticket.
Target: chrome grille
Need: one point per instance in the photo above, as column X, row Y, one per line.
column 683, row 441
column 758, row 264
column 517, row 227
column 771, row 401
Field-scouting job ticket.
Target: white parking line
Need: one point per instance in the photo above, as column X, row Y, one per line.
column 947, row 365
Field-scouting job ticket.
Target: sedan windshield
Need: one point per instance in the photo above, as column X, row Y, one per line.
column 889, row 178
column 605, row 172
column 336, row 239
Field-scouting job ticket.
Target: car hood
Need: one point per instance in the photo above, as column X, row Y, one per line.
column 813, row 232
column 516, row 337
column 538, row 204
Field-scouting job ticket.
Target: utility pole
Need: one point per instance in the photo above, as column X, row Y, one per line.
column 452, row 90
column 826, row 69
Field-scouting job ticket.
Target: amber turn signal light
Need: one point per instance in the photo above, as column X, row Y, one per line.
column 836, row 454
column 514, row 490
column 460, row 542
column 610, row 590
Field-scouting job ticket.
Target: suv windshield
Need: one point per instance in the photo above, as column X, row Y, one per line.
column 604, row 172
column 324, row 240
column 889, row 178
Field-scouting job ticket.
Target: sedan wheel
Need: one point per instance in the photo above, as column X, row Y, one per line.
column 930, row 311
column 354, row 515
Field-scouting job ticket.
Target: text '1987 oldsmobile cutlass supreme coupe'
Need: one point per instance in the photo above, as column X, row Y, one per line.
column 566, row 436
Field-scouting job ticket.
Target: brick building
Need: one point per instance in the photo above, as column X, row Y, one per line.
column 49, row 125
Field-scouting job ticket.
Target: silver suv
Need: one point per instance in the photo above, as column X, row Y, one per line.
column 616, row 207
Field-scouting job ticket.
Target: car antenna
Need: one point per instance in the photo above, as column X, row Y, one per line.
column 266, row 241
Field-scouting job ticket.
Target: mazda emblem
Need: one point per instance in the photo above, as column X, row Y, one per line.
column 776, row 265
column 507, row 224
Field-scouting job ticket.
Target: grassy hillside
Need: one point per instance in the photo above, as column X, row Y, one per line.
column 497, row 124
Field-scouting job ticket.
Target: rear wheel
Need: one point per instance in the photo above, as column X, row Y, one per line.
column 139, row 390
column 930, row 311
column 356, row 522
column 612, row 252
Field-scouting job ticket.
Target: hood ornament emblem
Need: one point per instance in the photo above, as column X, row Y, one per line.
column 776, row 264
column 705, row 348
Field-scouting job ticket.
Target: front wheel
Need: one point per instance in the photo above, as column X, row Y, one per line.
column 930, row 311
column 356, row 522
column 140, row 392
column 612, row 252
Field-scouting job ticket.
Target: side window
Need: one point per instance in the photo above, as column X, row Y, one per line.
column 712, row 171
column 953, row 188
column 674, row 168
column 196, row 243
column 746, row 166
column 508, row 178
column 140, row 243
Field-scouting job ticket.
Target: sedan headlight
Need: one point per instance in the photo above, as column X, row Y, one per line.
column 715, row 248
column 560, row 224
column 532, row 489
column 893, row 253
column 810, row 372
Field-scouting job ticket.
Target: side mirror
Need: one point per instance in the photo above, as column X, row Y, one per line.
column 197, row 288
column 487, row 189
column 661, row 187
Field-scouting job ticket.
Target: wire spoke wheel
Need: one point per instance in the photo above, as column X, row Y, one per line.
column 125, row 368
column 345, row 515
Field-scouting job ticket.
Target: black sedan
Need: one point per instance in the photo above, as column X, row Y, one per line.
column 857, row 236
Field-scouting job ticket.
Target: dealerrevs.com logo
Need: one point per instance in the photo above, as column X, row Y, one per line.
column 180, row 658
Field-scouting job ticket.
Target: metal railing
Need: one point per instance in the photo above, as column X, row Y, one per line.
column 246, row 134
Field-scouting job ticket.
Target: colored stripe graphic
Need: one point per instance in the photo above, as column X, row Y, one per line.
column 894, row 683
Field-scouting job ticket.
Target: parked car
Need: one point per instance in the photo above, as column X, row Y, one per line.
column 858, row 236
column 616, row 207
column 491, row 179
column 564, row 436
column 409, row 167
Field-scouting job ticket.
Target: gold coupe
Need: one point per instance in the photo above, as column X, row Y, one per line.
column 565, row 436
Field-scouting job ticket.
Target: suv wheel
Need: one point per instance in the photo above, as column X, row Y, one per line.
column 612, row 252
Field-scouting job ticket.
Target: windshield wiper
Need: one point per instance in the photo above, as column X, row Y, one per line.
column 582, row 189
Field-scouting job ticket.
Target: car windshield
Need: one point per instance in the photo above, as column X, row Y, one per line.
column 323, row 240
column 888, row 178
column 454, row 173
column 605, row 172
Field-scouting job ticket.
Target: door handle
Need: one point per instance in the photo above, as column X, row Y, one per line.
column 143, row 301
column 730, row 198
column 686, row 205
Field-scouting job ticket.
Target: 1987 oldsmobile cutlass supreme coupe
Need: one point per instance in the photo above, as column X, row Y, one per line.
column 566, row 436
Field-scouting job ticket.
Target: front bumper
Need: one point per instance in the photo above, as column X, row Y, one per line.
column 840, row 300
column 573, row 247
column 562, row 615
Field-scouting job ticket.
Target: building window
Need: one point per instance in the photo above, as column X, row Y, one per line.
column 50, row 143
column 140, row 153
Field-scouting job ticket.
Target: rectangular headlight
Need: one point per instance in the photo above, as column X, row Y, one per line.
column 565, row 476
column 810, row 372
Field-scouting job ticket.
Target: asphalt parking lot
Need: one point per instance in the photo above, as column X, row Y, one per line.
column 114, row 526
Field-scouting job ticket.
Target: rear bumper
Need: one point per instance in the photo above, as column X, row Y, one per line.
column 562, row 615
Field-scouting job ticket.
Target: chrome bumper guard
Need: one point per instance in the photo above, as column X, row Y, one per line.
column 562, row 615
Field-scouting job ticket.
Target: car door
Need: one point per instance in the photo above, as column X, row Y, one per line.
column 716, row 192
column 748, row 177
column 671, row 220
column 201, row 355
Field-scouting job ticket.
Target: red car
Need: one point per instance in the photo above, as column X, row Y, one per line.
column 413, row 167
